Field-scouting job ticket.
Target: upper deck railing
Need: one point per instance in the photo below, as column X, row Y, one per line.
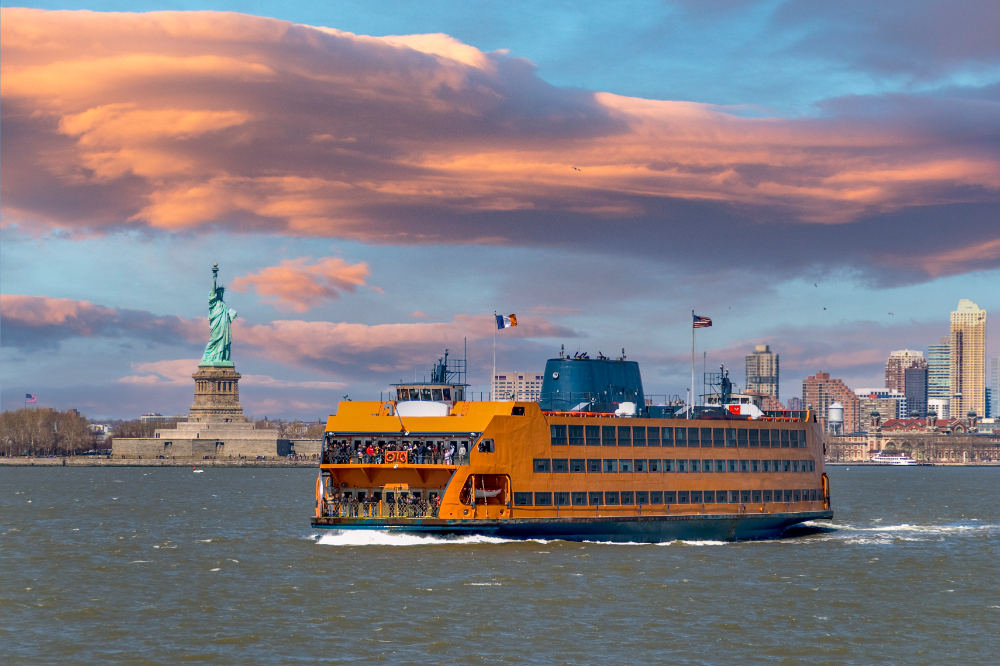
column 347, row 453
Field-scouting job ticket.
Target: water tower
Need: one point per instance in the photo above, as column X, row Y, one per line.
column 835, row 419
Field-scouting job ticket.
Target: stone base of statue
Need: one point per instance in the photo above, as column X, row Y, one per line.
column 216, row 394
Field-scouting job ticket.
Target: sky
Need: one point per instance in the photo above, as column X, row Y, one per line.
column 375, row 180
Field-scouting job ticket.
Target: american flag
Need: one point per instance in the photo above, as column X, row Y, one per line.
column 30, row 398
column 701, row 322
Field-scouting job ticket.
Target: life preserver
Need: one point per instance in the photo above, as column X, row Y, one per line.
column 401, row 457
column 390, row 456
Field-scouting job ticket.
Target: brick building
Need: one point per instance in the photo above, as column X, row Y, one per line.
column 897, row 364
column 821, row 391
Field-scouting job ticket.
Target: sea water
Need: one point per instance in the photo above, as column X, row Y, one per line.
column 162, row 566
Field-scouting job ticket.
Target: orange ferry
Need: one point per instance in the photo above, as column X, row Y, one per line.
column 592, row 464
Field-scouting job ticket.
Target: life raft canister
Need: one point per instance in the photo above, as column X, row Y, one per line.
column 401, row 457
column 390, row 456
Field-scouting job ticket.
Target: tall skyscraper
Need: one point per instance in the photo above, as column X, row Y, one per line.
column 898, row 362
column 939, row 370
column 968, row 359
column 995, row 385
column 762, row 371
column 820, row 391
column 915, row 389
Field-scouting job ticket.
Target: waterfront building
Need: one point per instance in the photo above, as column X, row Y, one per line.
column 968, row 359
column 995, row 385
column 934, row 440
column 897, row 364
column 762, row 372
column 940, row 406
column 521, row 386
column 890, row 404
column 939, row 370
column 821, row 391
column 915, row 389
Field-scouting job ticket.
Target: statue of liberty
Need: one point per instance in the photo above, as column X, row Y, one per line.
column 220, row 318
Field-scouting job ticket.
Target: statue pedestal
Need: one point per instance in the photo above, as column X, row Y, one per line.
column 216, row 395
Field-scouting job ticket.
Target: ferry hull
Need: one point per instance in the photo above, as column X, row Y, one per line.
column 638, row 529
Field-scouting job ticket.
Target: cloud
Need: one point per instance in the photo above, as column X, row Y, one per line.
column 295, row 285
column 182, row 121
column 417, row 314
column 39, row 322
column 163, row 372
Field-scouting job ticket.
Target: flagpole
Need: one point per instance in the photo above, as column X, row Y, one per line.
column 691, row 410
column 493, row 379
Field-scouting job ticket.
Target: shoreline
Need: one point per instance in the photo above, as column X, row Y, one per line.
column 81, row 461
column 860, row 463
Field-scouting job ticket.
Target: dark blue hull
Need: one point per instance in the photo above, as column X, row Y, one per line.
column 651, row 529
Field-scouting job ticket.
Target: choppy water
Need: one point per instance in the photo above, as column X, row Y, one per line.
column 162, row 566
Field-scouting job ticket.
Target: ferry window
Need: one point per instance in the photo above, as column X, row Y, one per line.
column 624, row 436
column 765, row 439
column 668, row 465
column 402, row 394
column 517, row 411
column 706, row 437
column 625, row 465
column 754, row 438
column 542, row 465
column 720, row 465
column 695, row 497
column 653, row 436
column 560, row 465
column 543, row 499
column 642, row 497
column 628, row 497
column 611, row 498
column 607, row 435
column 593, row 465
column 706, row 466
column 812, row 465
column 765, row 465
column 579, row 499
column 610, row 465
column 558, row 433
column 784, row 439
column 681, row 436
column 796, row 495
column 775, row 439
column 744, row 466
column 683, row 497
column 767, row 496
column 655, row 465
column 522, row 499
column 459, row 395
column 447, row 393
column 813, row 495
column 576, row 435
column 596, row 499
column 794, row 436
column 656, row 497
column 788, row 495
column 732, row 465
column 485, row 446
column 786, row 465
column 719, row 437
column 742, row 436
column 682, row 465
column 730, row 436
column 755, row 496
column 744, row 496
column 640, row 465
column 795, row 465
column 670, row 497
column 638, row 435
column 562, row 499
column 694, row 466
column 692, row 436
column 577, row 465
column 593, row 435
column 754, row 465
column 668, row 436
column 425, row 394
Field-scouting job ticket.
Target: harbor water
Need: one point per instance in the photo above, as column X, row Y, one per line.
column 168, row 566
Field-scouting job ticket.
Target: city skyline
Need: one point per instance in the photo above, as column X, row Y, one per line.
column 601, row 180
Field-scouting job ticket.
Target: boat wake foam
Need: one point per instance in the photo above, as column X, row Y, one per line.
column 378, row 538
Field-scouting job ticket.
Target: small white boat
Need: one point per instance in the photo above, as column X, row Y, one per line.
column 883, row 458
column 487, row 494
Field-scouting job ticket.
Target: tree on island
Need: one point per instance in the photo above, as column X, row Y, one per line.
column 45, row 432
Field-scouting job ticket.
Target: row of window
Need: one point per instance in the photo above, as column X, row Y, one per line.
column 592, row 435
column 642, row 497
column 626, row 465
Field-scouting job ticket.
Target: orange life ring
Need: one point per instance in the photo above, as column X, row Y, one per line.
column 401, row 457
column 390, row 456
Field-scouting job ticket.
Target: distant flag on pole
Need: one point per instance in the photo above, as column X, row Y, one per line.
column 30, row 398
column 702, row 322
column 506, row 322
